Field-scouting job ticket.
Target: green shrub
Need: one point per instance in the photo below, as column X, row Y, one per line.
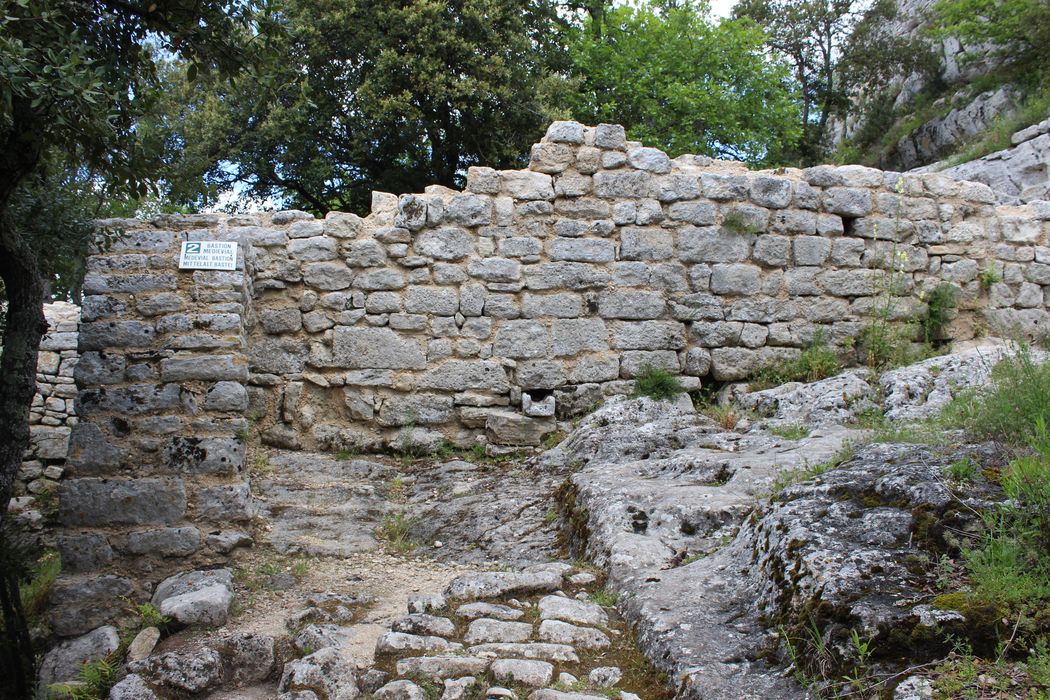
column 988, row 276
column 737, row 222
column 657, row 384
column 940, row 302
column 816, row 361
column 1017, row 402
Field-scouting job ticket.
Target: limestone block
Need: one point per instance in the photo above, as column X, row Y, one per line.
column 457, row 375
column 671, row 188
column 557, row 305
column 847, row 201
column 521, row 339
column 231, row 502
column 445, row 243
column 313, row 249
column 649, row 159
column 469, row 210
column 593, row 250
column 565, row 275
column 696, row 213
column 723, row 188
column 811, row 250
column 550, row 158
column 507, row 428
column 216, row 456
column 630, row 305
column 329, row 276
column 573, row 336
column 635, row 362
column 375, row 348
column 495, row 269
column 540, row 374
column 165, row 542
column 565, row 132
column 78, row 605
column 610, row 136
column 711, row 244
column 226, row 396
column 627, row 184
column 736, row 279
column 413, row 409
column 101, row 502
column 440, row 301
column 771, row 192
column 210, row 368
column 649, row 335
column 83, row 552
column 646, row 244
column 100, row 335
column 595, row 368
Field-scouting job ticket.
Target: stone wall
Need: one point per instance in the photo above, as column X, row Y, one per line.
column 51, row 416
column 154, row 476
column 486, row 314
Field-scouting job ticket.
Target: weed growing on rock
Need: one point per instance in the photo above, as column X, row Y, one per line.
column 940, row 302
column 816, row 361
column 150, row 616
column 657, row 384
column 795, row 431
column 93, row 681
column 605, row 597
column 790, row 477
column 963, row 470
column 1011, row 411
column 395, row 529
column 737, row 222
column 344, row 454
column 988, row 276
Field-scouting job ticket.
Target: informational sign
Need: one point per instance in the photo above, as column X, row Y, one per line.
column 208, row 255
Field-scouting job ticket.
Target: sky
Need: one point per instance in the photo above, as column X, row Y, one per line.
column 721, row 8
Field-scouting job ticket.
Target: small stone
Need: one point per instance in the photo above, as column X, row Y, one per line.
column 132, row 687
column 421, row 623
column 605, row 676
column 400, row 690
column 554, row 607
column 143, row 644
column 187, row 670
column 472, row 611
column 563, row 633
column 457, row 689
column 196, row 597
column 532, row 673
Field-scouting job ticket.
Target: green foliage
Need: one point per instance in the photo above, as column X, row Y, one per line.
column 834, row 48
column 372, row 95
column 678, row 81
column 795, row 431
column 150, row 616
column 36, row 585
column 988, row 276
column 395, row 530
column 605, row 597
column 1014, row 407
column 963, row 470
column 657, row 384
column 1020, row 29
column 816, row 361
column 940, row 302
column 94, row 680
column 737, row 222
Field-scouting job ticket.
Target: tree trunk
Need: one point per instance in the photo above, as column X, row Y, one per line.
column 25, row 327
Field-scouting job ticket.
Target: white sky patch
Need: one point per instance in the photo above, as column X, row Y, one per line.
column 722, row 8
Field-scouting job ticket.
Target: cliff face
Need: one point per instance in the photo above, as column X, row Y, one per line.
column 958, row 113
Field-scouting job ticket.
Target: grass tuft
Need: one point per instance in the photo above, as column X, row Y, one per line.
column 657, row 384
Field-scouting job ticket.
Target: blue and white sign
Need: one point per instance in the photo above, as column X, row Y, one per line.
column 208, row 255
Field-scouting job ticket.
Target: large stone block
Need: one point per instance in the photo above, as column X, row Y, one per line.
column 712, row 244
column 375, row 348
column 90, row 452
column 573, row 336
column 415, row 409
column 523, row 184
column 439, row 301
column 630, row 305
column 226, row 503
column 566, row 275
column 82, row 604
column 559, row 305
column 80, row 553
column 329, row 276
column 445, row 243
column 636, row 362
column 646, row 244
column 540, row 374
column 495, row 269
column 211, row 368
column 771, row 192
column 847, row 201
column 459, row 375
column 521, row 339
column 736, row 280
column 95, row 368
column 634, row 184
column 165, row 542
column 649, row 335
column 507, row 428
column 594, row 250
column 91, row 502
column 135, row 399
column 277, row 355
column 100, row 335
column 216, row 456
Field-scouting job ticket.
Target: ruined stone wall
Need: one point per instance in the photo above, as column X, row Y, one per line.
column 486, row 313
column 155, row 471
column 51, row 416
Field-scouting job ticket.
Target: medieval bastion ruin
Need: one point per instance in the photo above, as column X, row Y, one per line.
column 487, row 314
